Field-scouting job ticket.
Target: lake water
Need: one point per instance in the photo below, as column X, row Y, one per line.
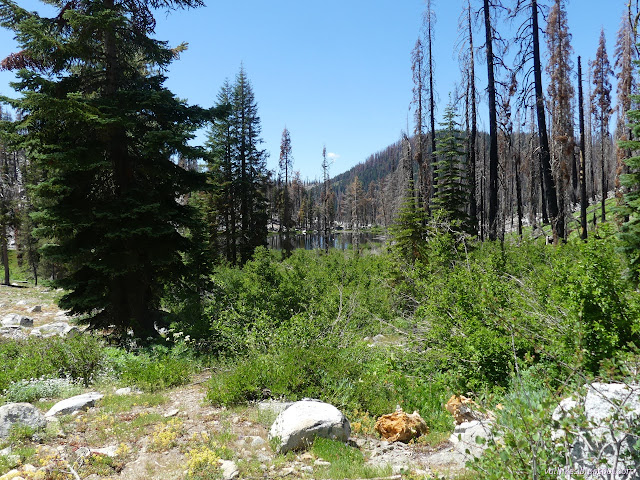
column 311, row 241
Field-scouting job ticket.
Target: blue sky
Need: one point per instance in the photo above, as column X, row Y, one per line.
column 334, row 72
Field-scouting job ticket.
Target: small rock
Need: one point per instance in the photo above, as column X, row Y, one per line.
column 464, row 409
column 21, row 302
column 74, row 404
column 15, row 319
column 14, row 332
column 306, row 456
column 12, row 474
column 255, row 441
column 287, row 471
column 400, row 426
column 321, row 463
column 107, row 451
column 13, row 460
column 307, row 469
column 171, row 413
column 5, row 451
column 35, row 309
column 83, row 452
column 229, row 470
column 62, row 329
column 29, row 468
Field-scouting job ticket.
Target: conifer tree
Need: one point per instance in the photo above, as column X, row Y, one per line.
column 452, row 196
column 253, row 175
column 99, row 120
column 601, row 107
column 285, row 164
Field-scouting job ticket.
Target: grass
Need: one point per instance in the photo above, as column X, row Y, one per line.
column 124, row 403
column 346, row 462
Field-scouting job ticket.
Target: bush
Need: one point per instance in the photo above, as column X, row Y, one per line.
column 151, row 371
column 80, row 358
column 32, row 390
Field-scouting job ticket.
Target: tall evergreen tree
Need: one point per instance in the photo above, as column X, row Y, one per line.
column 285, row 164
column 221, row 204
column 452, row 196
column 100, row 121
column 252, row 168
column 601, row 107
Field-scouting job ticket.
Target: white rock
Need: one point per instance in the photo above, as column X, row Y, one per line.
column 20, row 413
column 15, row 319
column 61, row 329
column 229, row 470
column 35, row 309
column 464, row 437
column 298, row 425
column 74, row 404
column 108, row 451
column 171, row 413
column 15, row 332
column 612, row 411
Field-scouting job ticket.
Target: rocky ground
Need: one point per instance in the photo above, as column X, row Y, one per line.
column 135, row 436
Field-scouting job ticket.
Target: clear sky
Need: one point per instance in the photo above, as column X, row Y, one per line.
column 334, row 72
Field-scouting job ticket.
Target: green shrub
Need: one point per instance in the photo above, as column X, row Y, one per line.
column 150, row 371
column 32, row 390
column 80, row 358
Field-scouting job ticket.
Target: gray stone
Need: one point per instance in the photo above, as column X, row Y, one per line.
column 299, row 424
column 107, row 451
column 35, row 309
column 229, row 470
column 74, row 404
column 464, row 437
column 608, row 438
column 20, row 413
column 171, row 413
column 15, row 332
column 62, row 329
column 15, row 319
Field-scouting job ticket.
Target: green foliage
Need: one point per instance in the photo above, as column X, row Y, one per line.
column 346, row 462
column 32, row 390
column 521, row 445
column 105, row 129
column 80, row 358
column 409, row 230
column 151, row 370
column 453, row 189
column 348, row 377
column 294, row 302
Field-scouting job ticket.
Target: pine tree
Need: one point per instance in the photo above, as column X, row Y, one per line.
column 100, row 121
column 253, row 174
column 221, row 205
column 285, row 164
column 601, row 107
column 452, row 196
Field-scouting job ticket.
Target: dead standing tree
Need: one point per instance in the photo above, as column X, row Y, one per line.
column 529, row 65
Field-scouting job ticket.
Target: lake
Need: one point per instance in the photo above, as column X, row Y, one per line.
column 311, row 241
